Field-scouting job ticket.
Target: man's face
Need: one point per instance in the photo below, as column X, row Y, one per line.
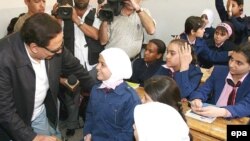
column 35, row 6
column 81, row 4
column 55, row 47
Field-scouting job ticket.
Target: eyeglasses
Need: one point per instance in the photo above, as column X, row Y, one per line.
column 56, row 50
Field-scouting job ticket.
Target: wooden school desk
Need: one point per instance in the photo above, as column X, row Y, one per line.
column 202, row 131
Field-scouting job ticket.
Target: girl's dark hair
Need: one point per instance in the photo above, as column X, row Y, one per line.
column 164, row 89
column 245, row 50
column 193, row 23
column 181, row 43
column 160, row 45
column 40, row 28
column 239, row 2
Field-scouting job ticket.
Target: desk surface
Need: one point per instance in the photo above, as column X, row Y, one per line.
column 206, row 74
column 215, row 130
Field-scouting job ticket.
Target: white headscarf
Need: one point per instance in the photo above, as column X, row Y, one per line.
column 119, row 65
column 210, row 16
column 154, row 121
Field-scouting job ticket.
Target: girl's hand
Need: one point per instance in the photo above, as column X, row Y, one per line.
column 185, row 57
column 230, row 7
column 212, row 111
column 196, row 105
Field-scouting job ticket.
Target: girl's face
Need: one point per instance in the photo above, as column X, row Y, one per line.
column 238, row 65
column 151, row 53
column 103, row 72
column 173, row 56
column 220, row 37
column 236, row 9
column 200, row 32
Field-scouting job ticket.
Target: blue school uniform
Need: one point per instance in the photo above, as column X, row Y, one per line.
column 109, row 114
column 142, row 71
column 226, row 46
column 215, row 84
column 240, row 24
column 187, row 81
column 204, row 53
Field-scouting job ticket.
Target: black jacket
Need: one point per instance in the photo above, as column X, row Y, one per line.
column 17, row 86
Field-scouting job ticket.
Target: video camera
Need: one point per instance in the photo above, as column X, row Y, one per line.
column 110, row 9
column 64, row 12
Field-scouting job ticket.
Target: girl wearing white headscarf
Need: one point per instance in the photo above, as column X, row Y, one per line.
column 109, row 115
column 161, row 111
column 207, row 16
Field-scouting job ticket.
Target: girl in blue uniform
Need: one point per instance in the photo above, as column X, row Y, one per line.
column 229, row 86
column 109, row 115
column 181, row 66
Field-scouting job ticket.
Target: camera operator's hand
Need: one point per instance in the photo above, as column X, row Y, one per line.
column 100, row 6
column 133, row 3
column 54, row 10
column 75, row 17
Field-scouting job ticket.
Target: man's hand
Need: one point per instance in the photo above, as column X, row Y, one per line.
column 75, row 17
column 54, row 10
column 134, row 3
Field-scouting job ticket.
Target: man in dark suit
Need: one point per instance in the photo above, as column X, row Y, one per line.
column 32, row 61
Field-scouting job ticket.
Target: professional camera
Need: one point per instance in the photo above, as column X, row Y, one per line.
column 109, row 10
column 64, row 12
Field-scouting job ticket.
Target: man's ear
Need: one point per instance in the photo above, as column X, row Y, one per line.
column 33, row 47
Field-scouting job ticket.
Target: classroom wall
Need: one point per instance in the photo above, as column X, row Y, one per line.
column 169, row 15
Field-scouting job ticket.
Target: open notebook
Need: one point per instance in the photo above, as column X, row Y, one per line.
column 191, row 114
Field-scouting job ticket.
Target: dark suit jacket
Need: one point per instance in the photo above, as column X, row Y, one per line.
column 215, row 84
column 17, row 86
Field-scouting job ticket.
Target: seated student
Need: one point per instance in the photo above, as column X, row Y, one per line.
column 194, row 30
column 181, row 66
column 222, row 41
column 109, row 114
column 144, row 68
column 234, row 14
column 230, row 88
column 207, row 17
column 161, row 111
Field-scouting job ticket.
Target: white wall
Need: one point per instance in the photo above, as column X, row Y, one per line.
column 170, row 15
column 12, row 8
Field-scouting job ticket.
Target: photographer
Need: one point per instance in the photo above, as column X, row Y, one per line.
column 34, row 6
column 81, row 38
column 126, row 29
